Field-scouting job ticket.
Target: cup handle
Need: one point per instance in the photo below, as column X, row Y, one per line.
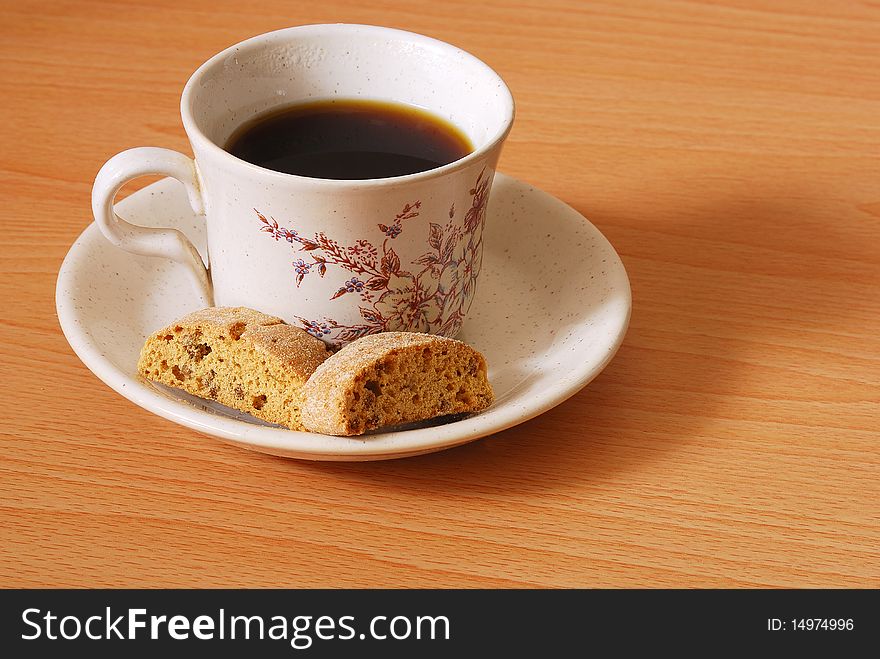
column 148, row 241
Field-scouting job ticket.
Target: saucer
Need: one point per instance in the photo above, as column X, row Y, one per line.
column 551, row 309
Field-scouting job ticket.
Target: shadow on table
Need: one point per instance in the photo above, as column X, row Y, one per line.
column 683, row 357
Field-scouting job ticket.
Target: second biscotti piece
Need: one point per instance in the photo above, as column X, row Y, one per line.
column 394, row 378
column 239, row 357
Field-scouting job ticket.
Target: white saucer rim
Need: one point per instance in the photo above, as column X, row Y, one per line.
column 280, row 441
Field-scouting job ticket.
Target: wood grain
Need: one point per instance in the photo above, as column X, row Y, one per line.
column 730, row 152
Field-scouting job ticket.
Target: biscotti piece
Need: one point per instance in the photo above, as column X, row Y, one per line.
column 239, row 357
column 393, row 378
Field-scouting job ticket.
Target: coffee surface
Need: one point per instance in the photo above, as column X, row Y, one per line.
column 348, row 139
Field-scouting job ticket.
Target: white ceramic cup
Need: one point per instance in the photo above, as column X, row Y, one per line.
column 340, row 258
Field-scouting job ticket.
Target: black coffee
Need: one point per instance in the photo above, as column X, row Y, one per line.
column 348, row 139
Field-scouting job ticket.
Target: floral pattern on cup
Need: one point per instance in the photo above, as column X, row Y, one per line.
column 432, row 294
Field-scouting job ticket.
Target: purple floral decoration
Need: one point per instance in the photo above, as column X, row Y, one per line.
column 435, row 291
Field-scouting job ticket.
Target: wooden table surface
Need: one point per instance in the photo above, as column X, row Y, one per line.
column 729, row 151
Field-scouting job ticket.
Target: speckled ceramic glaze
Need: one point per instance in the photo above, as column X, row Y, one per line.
column 551, row 310
column 339, row 258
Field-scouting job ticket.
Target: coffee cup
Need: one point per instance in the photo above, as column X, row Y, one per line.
column 341, row 258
